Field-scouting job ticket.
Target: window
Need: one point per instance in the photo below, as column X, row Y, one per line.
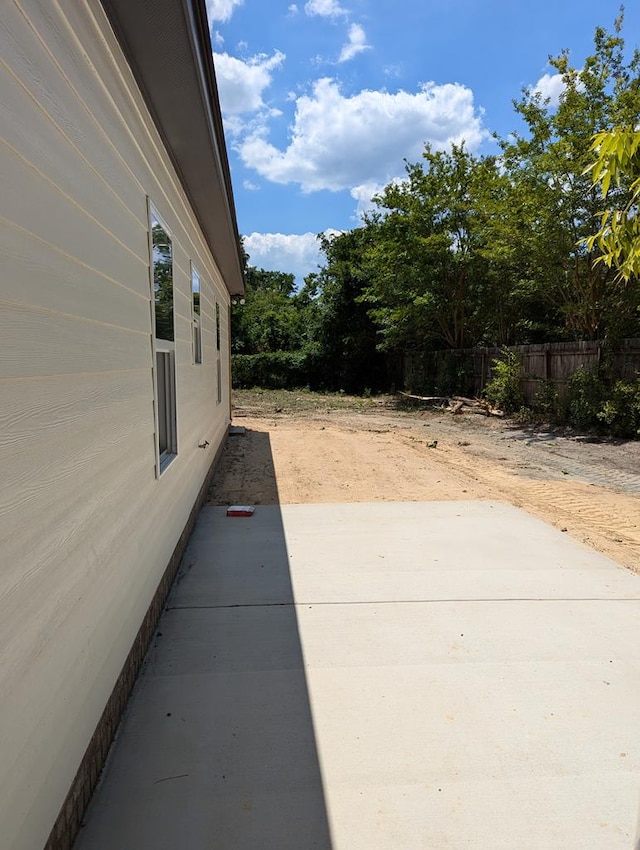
column 164, row 339
column 162, row 262
column 166, row 381
column 218, row 369
column 195, row 315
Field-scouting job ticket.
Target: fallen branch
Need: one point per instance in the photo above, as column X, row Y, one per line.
column 470, row 402
column 456, row 404
column 425, row 399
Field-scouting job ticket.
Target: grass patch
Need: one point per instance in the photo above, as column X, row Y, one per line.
column 261, row 402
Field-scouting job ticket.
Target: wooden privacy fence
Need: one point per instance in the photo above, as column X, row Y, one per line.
column 468, row 370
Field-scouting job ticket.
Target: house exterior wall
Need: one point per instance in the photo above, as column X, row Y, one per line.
column 86, row 525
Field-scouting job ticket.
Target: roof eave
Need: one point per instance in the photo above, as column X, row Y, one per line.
column 167, row 45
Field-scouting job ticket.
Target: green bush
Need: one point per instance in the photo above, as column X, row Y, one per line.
column 621, row 411
column 594, row 403
column 585, row 398
column 275, row 370
column 546, row 401
column 503, row 390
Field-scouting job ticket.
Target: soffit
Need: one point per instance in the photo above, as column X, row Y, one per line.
column 167, row 45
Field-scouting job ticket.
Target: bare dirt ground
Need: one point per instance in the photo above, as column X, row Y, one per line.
column 302, row 447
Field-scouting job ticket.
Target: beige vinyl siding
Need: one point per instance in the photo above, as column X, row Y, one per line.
column 86, row 526
column 37, row 272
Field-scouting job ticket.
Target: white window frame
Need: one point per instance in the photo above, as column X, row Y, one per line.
column 165, row 385
column 196, row 318
column 163, row 351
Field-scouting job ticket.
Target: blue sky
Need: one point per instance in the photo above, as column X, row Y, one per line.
column 324, row 99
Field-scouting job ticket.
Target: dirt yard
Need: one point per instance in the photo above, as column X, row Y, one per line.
column 306, row 447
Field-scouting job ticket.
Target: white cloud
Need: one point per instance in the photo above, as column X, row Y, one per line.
column 298, row 254
column 363, row 194
column 325, row 8
column 250, row 187
column 241, row 83
column 356, row 44
column 221, row 10
column 293, row 9
column 342, row 142
column 392, row 71
column 549, row 86
column 217, row 38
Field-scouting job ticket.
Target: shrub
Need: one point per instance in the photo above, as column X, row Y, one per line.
column 546, row 401
column 503, row 390
column 274, row 370
column 621, row 411
column 585, row 398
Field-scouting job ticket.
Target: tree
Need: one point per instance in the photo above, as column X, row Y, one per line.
column 617, row 171
column 281, row 283
column 269, row 319
column 345, row 335
column 511, row 308
column 549, row 163
column 417, row 282
column 441, row 265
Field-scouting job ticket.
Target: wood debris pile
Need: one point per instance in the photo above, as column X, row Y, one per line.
column 454, row 404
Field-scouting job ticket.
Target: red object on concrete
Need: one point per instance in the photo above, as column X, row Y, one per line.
column 240, row 510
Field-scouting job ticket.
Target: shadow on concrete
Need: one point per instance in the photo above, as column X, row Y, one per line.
column 245, row 473
column 217, row 748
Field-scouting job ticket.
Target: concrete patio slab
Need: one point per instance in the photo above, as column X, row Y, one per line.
column 385, row 677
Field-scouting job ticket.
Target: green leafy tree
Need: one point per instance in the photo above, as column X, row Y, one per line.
column 547, row 164
column 345, row 335
column 512, row 307
column 446, row 253
column 268, row 320
column 418, row 266
column 617, row 171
